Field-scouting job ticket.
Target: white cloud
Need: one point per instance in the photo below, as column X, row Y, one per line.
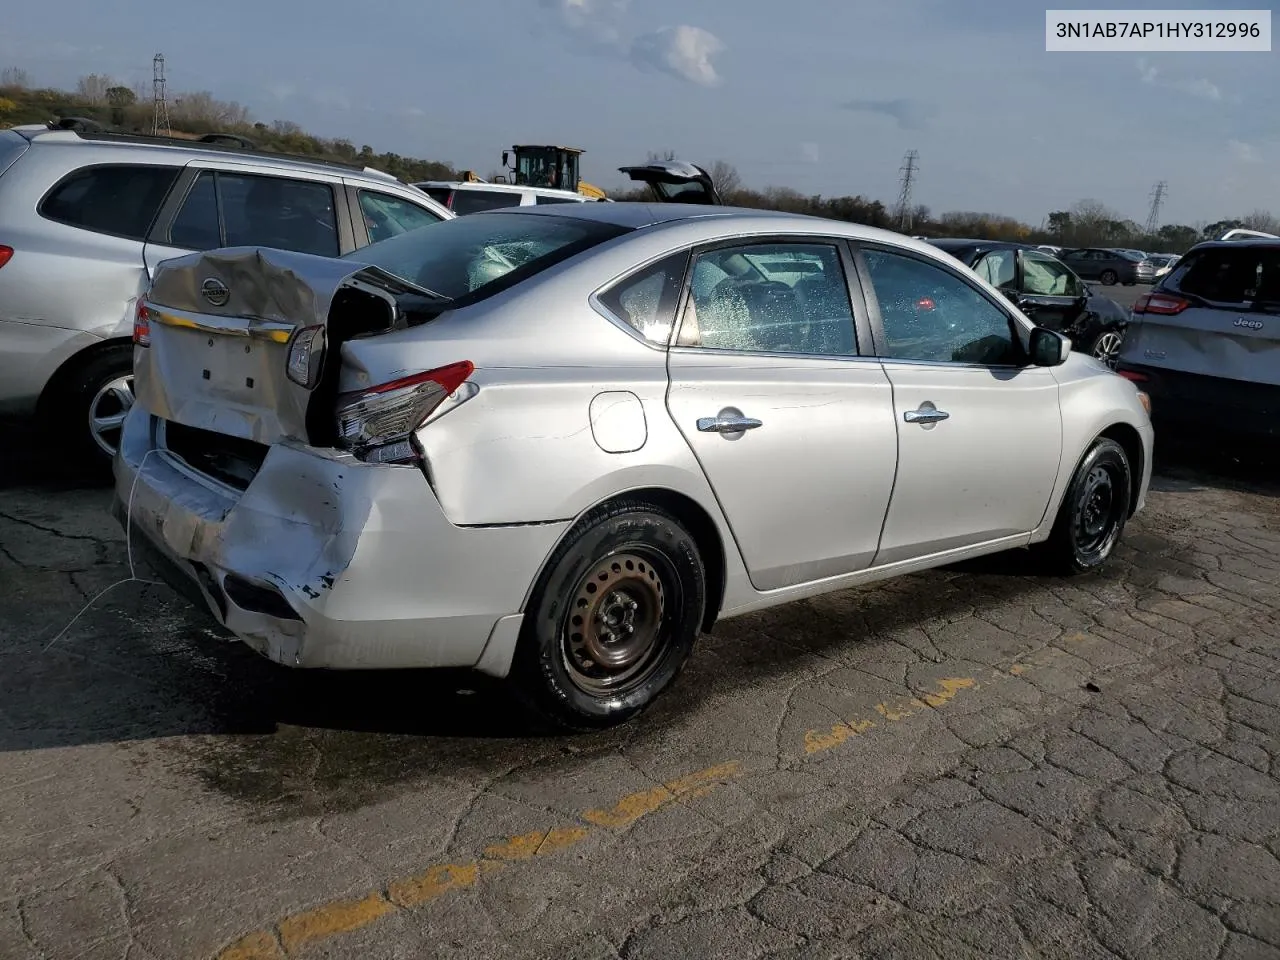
column 809, row 150
column 682, row 51
column 1200, row 88
column 595, row 20
column 1243, row 152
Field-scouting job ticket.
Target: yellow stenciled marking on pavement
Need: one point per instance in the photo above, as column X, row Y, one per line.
column 260, row 945
column 299, row 930
column 816, row 741
column 338, row 917
column 632, row 808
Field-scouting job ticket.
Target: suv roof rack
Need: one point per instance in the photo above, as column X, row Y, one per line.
column 88, row 129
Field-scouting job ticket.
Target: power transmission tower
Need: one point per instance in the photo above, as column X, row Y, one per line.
column 908, row 171
column 1157, row 198
column 160, row 121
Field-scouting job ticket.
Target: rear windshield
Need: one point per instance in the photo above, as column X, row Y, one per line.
column 1234, row 275
column 469, row 258
column 12, row 146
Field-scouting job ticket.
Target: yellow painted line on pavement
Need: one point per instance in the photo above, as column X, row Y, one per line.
column 296, row 932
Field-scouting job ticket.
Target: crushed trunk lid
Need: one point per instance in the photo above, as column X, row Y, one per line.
column 675, row 181
column 221, row 325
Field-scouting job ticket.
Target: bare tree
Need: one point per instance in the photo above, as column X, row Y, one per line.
column 93, row 88
column 14, row 78
column 726, row 178
column 285, row 127
column 1263, row 221
column 655, row 157
column 204, row 109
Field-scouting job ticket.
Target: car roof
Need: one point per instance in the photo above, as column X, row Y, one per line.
column 1263, row 242
column 636, row 215
column 194, row 149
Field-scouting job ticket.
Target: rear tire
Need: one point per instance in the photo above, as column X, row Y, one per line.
column 1106, row 347
column 1093, row 513
column 86, row 406
column 612, row 619
column 1108, row 278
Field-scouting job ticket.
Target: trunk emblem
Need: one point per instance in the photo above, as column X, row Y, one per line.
column 215, row 291
column 1251, row 324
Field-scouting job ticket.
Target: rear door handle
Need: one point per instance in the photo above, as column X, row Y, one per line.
column 925, row 415
column 727, row 424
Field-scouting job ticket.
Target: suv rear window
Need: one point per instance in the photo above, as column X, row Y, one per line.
column 120, row 200
column 473, row 201
column 1233, row 275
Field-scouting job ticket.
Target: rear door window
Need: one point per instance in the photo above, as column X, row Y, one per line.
column 196, row 226
column 1234, row 275
column 278, row 212
column 121, row 200
column 473, row 201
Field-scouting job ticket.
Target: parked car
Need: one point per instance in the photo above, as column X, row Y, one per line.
column 1108, row 266
column 553, row 444
column 1205, row 342
column 1046, row 291
column 471, row 196
column 1163, row 262
column 88, row 216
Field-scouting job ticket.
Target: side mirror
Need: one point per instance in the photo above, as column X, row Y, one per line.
column 1048, row 348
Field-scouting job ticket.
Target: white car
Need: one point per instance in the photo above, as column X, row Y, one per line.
column 471, row 196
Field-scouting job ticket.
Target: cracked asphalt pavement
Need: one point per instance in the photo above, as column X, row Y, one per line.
column 973, row 762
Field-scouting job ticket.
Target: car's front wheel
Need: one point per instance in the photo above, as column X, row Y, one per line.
column 1108, row 278
column 1092, row 516
column 613, row 617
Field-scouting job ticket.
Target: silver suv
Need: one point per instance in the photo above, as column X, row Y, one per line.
column 87, row 216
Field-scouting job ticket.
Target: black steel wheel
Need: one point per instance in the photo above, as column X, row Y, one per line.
column 613, row 617
column 1094, row 510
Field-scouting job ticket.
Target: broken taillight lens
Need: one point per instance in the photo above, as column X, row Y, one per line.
column 377, row 423
column 142, row 325
column 306, row 356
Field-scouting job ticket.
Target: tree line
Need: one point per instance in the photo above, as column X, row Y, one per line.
column 1087, row 223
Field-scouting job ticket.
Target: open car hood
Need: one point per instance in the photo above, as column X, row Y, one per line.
column 674, row 181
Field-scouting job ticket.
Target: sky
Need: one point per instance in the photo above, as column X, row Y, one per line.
column 824, row 96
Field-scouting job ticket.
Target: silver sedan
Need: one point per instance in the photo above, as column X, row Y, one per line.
column 556, row 443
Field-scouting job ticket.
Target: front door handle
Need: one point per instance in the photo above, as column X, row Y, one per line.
column 727, row 424
column 925, row 415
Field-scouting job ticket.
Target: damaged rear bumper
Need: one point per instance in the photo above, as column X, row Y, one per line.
column 325, row 561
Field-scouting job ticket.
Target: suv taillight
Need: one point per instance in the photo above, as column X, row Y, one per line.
column 142, row 325
column 377, row 424
column 6, row 254
column 1161, row 303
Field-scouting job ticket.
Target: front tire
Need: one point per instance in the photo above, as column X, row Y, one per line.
column 1093, row 513
column 612, row 619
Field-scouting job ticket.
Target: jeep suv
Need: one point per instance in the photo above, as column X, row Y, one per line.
column 1205, row 342
column 86, row 216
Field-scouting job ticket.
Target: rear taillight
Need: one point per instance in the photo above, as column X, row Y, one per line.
column 6, row 254
column 142, row 325
column 306, row 356
column 377, row 424
column 1161, row 303
column 1133, row 375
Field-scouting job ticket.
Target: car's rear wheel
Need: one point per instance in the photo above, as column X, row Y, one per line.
column 1108, row 278
column 613, row 617
column 1106, row 346
column 87, row 407
column 1093, row 513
